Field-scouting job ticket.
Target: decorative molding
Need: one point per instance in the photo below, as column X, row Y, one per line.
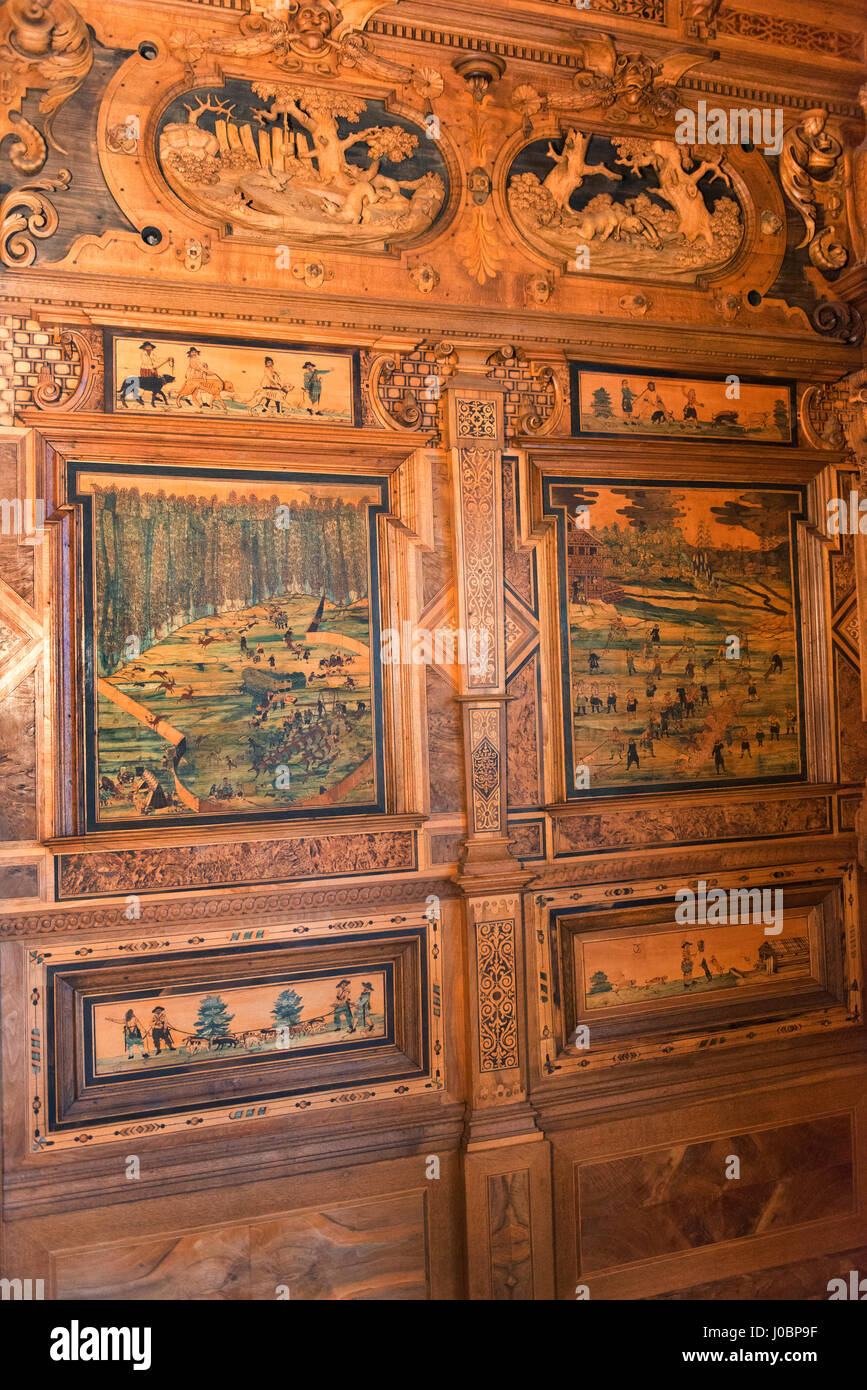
column 197, row 913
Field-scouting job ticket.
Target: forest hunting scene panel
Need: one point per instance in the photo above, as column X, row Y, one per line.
column 185, row 1028
column 680, row 632
column 229, row 645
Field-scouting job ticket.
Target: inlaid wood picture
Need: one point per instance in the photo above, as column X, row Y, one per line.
column 723, row 963
column 140, row 1037
column 215, row 378
column 180, row 1027
column 661, row 966
column 229, row 636
column 661, row 405
column 680, row 634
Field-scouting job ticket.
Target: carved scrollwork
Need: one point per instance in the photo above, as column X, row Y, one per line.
column 50, row 394
column 533, row 421
column 811, row 171
column 25, row 214
column 402, row 414
column 839, row 321
column 43, row 44
column 856, row 188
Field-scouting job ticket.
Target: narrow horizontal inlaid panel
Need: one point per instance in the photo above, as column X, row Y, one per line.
column 174, row 867
column 651, row 1204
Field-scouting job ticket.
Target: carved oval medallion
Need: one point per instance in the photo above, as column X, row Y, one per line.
column 629, row 206
column 283, row 160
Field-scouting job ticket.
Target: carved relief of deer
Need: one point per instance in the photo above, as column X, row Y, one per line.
column 187, row 137
column 570, row 168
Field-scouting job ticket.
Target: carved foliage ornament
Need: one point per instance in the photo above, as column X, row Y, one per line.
column 43, row 44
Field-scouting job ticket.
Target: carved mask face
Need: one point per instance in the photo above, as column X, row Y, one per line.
column 635, row 78
column 314, row 25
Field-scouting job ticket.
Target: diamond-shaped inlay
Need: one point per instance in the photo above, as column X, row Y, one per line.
column 20, row 637
column 486, row 768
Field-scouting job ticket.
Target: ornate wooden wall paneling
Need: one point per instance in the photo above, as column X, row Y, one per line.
column 467, row 319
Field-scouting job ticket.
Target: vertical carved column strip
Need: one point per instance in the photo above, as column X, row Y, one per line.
column 476, row 439
column 501, row 1123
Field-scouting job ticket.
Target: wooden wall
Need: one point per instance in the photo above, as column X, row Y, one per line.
column 501, row 1164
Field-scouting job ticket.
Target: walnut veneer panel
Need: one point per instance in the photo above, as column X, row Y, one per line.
column 358, row 1250
column 802, row 1280
column 658, row 1202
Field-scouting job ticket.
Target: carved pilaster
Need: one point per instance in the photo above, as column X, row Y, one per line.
column 490, row 876
column 475, row 434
